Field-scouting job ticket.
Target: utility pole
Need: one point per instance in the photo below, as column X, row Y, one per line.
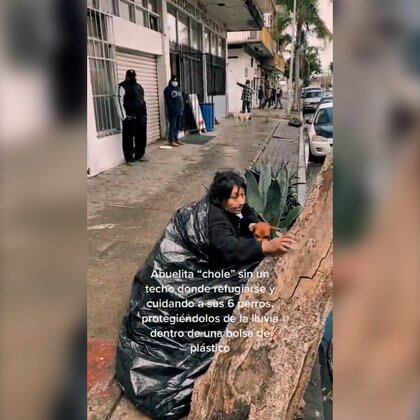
column 292, row 55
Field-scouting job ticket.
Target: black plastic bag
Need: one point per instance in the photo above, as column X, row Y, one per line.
column 295, row 122
column 158, row 373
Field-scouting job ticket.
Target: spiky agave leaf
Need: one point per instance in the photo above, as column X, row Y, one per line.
column 271, row 210
column 290, row 219
column 283, row 181
column 264, row 182
column 252, row 193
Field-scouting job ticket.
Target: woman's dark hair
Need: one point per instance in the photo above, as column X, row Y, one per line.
column 222, row 186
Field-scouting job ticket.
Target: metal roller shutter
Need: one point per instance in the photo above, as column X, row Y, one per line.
column 146, row 69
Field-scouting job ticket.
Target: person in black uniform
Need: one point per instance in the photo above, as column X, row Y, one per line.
column 230, row 223
column 133, row 112
column 174, row 100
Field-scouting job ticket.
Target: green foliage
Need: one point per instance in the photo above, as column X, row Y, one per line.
column 254, row 198
column 271, row 193
column 311, row 62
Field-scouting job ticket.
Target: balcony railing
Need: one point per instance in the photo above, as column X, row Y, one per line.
column 264, row 36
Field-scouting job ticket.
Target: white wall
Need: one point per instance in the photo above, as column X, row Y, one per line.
column 106, row 152
column 236, row 73
column 129, row 35
column 219, row 106
column 102, row 152
column 240, row 36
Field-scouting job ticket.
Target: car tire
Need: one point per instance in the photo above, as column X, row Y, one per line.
column 312, row 158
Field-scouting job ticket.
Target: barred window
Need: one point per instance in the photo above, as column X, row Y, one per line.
column 102, row 63
column 207, row 41
column 141, row 12
column 171, row 23
column 183, row 29
column 196, row 35
column 216, row 75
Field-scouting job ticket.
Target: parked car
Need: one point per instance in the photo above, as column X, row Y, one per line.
column 320, row 131
column 309, row 89
column 326, row 98
column 311, row 100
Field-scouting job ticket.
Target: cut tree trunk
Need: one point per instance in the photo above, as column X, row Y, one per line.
column 266, row 377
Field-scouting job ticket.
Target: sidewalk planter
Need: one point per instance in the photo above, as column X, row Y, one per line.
column 207, row 109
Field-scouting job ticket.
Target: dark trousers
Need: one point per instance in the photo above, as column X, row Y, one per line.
column 175, row 125
column 246, row 105
column 278, row 102
column 134, row 138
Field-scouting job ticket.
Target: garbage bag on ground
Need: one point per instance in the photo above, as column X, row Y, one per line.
column 158, row 373
column 295, row 122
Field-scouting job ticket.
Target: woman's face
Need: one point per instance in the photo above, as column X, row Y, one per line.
column 236, row 201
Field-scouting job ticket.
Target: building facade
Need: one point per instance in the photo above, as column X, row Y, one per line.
column 157, row 38
column 252, row 55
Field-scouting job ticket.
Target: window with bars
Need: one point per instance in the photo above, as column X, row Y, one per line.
column 216, row 75
column 141, row 12
column 102, row 63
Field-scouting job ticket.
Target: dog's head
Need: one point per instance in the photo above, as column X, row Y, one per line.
column 262, row 231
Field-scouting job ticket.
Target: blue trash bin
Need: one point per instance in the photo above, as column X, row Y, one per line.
column 208, row 115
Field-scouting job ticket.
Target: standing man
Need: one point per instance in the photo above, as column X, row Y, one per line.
column 133, row 112
column 174, row 101
column 260, row 96
column 271, row 96
column 279, row 94
column 246, row 97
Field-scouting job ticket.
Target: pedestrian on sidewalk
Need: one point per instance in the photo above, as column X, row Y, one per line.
column 271, row 96
column 246, row 96
column 174, row 102
column 133, row 113
column 261, row 97
column 279, row 94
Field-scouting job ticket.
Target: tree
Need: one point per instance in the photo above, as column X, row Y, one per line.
column 308, row 20
column 266, row 377
column 310, row 63
column 279, row 33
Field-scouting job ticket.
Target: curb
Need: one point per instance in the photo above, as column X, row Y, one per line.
column 260, row 152
column 301, row 186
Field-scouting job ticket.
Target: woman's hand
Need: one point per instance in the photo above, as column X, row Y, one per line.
column 279, row 246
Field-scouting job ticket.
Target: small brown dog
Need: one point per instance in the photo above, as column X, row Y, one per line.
column 242, row 116
column 262, row 231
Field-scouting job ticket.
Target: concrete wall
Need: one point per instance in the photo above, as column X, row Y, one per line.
column 219, row 106
column 238, row 70
column 136, row 37
column 241, row 36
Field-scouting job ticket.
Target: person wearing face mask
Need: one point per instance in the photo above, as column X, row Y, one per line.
column 133, row 112
column 174, row 101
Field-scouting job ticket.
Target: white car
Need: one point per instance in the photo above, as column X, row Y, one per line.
column 308, row 89
column 311, row 99
column 320, row 131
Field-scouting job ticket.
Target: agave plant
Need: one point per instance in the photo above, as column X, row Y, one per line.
column 272, row 195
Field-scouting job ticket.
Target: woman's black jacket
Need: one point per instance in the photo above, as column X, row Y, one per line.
column 231, row 242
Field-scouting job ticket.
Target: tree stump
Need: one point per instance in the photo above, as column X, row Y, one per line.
column 266, row 377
